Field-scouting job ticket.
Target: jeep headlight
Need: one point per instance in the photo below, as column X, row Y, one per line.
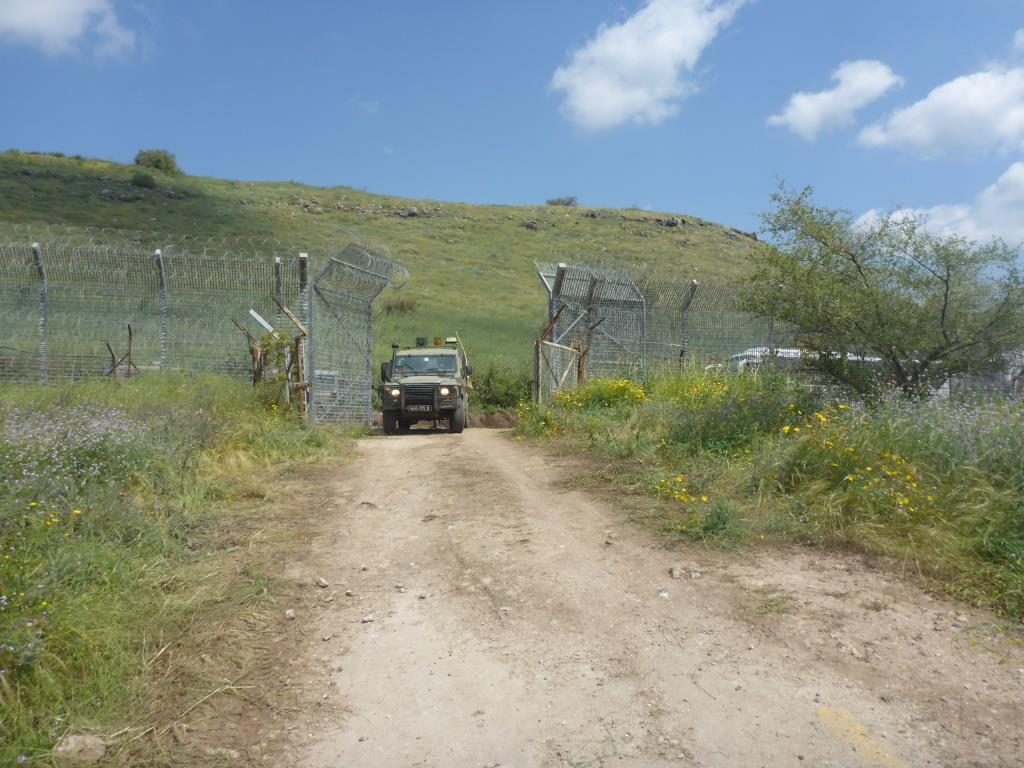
column 395, row 392
column 445, row 391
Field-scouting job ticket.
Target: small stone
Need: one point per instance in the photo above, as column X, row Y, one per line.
column 421, row 597
column 363, row 738
column 81, row 748
column 369, row 618
column 232, row 754
column 322, row 582
column 695, row 574
column 349, row 593
column 325, row 638
column 663, row 594
column 675, row 572
column 364, row 567
column 289, row 615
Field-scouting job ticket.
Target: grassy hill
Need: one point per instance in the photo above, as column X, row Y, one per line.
column 471, row 266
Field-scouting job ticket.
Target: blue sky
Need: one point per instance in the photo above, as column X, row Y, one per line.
column 692, row 106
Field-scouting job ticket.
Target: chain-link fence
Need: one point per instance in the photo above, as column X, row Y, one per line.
column 77, row 303
column 342, row 331
column 625, row 323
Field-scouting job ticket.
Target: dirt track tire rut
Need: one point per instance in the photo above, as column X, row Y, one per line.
column 520, row 624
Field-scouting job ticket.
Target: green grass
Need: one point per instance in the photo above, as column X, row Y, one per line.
column 113, row 493
column 472, row 267
column 938, row 488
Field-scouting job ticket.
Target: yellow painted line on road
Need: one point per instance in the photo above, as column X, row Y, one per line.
column 849, row 730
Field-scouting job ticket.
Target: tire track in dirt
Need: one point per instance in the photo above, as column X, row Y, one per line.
column 510, row 629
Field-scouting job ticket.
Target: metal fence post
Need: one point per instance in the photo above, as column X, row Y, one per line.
column 44, row 311
column 691, row 291
column 277, row 288
column 158, row 259
column 306, row 314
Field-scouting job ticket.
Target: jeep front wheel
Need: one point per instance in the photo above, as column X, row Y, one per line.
column 390, row 422
column 457, row 421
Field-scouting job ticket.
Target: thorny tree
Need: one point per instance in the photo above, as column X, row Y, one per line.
column 925, row 306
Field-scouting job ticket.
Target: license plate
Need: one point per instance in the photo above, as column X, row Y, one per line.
column 419, row 408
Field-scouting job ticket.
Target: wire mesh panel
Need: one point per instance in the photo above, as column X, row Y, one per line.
column 74, row 302
column 557, row 368
column 599, row 309
column 23, row 314
column 716, row 328
column 341, row 372
column 205, row 292
column 628, row 323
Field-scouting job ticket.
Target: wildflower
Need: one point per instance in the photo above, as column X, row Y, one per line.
column 704, row 499
column 785, row 429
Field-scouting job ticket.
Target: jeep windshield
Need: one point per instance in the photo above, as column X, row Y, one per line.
column 417, row 364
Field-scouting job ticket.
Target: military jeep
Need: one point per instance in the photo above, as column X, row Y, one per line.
column 425, row 383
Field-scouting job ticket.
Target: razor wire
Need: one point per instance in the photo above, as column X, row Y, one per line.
column 68, row 297
column 342, row 331
column 625, row 323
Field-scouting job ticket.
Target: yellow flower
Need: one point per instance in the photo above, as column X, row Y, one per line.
column 704, row 499
column 785, row 429
column 33, row 503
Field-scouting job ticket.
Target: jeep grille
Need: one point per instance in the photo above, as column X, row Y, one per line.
column 419, row 394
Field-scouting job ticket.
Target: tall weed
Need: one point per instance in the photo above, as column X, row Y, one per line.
column 104, row 485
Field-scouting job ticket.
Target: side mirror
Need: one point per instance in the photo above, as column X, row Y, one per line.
column 385, row 372
column 469, row 370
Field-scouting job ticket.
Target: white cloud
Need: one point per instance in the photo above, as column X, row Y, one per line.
column 858, row 83
column 57, row 26
column 1018, row 41
column 996, row 212
column 633, row 71
column 980, row 111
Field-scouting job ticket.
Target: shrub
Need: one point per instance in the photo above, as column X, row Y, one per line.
column 601, row 393
column 500, row 385
column 144, row 180
column 723, row 413
column 159, row 160
column 568, row 201
column 399, row 304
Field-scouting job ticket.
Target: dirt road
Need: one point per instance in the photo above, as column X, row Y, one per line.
column 481, row 615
